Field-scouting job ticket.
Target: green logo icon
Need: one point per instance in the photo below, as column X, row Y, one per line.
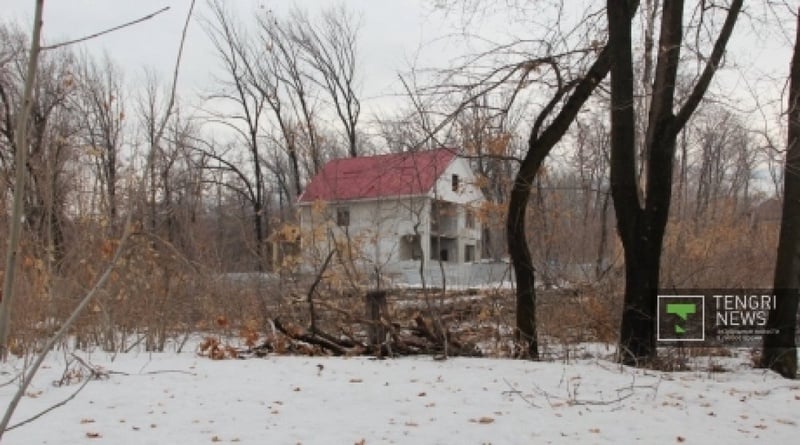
column 682, row 310
column 681, row 318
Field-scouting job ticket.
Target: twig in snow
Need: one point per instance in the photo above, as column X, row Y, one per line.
column 97, row 372
column 51, row 408
column 573, row 400
column 14, row 379
column 160, row 371
column 518, row 393
column 170, row 371
column 578, row 402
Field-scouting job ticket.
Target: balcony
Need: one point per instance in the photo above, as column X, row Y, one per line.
column 444, row 219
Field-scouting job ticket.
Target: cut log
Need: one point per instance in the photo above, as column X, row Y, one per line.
column 297, row 334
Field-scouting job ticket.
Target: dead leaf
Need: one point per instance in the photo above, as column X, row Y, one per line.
column 85, row 421
column 216, row 439
column 594, row 430
column 92, row 435
column 422, row 394
column 356, row 380
column 361, row 442
column 485, row 420
column 680, row 439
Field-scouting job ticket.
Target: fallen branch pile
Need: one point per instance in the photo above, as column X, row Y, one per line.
column 400, row 340
column 333, row 329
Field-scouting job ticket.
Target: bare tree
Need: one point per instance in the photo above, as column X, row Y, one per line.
column 49, row 137
column 232, row 48
column 591, row 159
column 102, row 115
column 331, row 50
column 642, row 215
column 278, row 75
column 725, row 161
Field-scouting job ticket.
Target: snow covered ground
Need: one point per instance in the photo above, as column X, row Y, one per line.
column 175, row 398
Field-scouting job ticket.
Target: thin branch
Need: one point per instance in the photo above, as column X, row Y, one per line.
column 310, row 296
column 51, row 408
column 519, row 393
column 169, row 371
column 109, row 30
column 700, row 88
column 171, row 102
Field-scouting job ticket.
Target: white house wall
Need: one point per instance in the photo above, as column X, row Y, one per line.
column 376, row 225
column 385, row 222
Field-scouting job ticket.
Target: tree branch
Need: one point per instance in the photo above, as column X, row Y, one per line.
column 702, row 84
column 109, row 30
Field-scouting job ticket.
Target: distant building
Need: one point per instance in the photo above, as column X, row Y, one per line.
column 401, row 208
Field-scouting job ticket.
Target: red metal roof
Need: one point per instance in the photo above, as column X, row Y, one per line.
column 400, row 174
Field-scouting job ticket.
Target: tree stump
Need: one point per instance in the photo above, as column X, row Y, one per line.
column 376, row 307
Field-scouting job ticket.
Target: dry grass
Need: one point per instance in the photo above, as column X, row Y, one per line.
column 157, row 296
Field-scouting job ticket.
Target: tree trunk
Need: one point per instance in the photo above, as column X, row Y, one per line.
column 539, row 145
column 111, row 185
column 780, row 350
column 258, row 203
column 635, row 333
column 258, row 226
column 642, row 220
column 521, row 259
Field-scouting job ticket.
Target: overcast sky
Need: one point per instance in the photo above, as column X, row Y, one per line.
column 391, row 33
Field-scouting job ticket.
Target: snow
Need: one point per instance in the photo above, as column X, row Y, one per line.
column 172, row 398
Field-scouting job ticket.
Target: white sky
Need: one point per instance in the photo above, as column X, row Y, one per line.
column 391, row 32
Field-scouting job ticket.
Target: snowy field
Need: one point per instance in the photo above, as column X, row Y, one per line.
column 175, row 398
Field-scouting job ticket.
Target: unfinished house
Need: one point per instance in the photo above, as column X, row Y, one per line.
column 408, row 214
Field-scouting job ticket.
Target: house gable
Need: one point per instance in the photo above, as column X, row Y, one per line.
column 466, row 191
